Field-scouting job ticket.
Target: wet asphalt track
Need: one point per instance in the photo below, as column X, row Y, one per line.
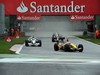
column 49, row 68
column 91, row 52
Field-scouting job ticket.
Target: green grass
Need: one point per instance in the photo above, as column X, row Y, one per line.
column 5, row 46
column 91, row 39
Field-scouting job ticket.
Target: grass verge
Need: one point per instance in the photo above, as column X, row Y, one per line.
column 5, row 46
column 91, row 39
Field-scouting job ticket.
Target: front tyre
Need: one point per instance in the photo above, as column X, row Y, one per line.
column 56, row 48
column 80, row 46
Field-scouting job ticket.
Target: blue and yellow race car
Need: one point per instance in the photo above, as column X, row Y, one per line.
column 67, row 46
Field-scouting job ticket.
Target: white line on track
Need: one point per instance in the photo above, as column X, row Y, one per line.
column 67, row 61
column 18, row 51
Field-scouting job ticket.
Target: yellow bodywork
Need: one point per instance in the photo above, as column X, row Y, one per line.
column 73, row 45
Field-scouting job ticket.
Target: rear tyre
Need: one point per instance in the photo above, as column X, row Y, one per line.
column 40, row 43
column 62, row 39
column 52, row 39
column 56, row 48
column 26, row 43
column 81, row 47
column 66, row 48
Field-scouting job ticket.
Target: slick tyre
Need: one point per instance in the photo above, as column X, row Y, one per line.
column 66, row 48
column 80, row 46
column 56, row 48
column 52, row 39
column 40, row 43
column 26, row 43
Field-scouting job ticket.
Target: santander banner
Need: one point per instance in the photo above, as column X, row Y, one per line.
column 51, row 7
column 28, row 17
column 81, row 17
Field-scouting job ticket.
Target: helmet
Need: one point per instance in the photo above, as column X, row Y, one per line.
column 67, row 40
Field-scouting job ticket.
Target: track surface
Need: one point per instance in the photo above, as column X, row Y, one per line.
column 62, row 63
column 90, row 50
column 49, row 68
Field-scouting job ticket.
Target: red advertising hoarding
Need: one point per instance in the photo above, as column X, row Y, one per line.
column 51, row 7
column 81, row 17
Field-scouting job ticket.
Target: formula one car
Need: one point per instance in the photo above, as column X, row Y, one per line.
column 33, row 42
column 70, row 47
column 56, row 37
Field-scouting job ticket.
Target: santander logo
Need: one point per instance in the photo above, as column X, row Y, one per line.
column 19, row 18
column 22, row 8
column 72, row 17
column 81, row 17
column 34, row 7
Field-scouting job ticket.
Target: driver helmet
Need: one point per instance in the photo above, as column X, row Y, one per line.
column 67, row 40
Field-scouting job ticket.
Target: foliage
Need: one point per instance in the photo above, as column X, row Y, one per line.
column 5, row 46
